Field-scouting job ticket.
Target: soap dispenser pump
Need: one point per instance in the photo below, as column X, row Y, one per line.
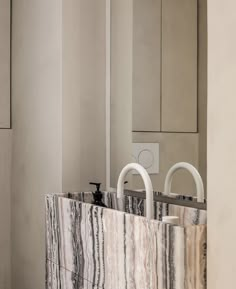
column 97, row 195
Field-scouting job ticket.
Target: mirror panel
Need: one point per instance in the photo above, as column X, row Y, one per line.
column 158, row 86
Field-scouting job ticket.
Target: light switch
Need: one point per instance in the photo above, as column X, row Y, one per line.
column 147, row 155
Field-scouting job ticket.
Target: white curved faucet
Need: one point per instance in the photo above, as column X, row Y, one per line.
column 147, row 183
column 195, row 174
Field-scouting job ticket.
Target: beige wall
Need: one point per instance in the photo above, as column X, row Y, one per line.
column 5, row 210
column 92, row 92
column 58, row 117
column 83, row 93
column 71, row 100
column 221, row 144
column 37, row 132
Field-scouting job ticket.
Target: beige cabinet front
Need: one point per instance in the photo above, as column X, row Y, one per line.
column 164, row 49
column 146, row 65
column 5, row 33
column 179, row 66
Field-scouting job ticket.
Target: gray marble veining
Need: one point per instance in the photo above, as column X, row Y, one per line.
column 59, row 278
column 114, row 249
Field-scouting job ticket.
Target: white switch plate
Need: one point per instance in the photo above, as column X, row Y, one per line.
column 147, row 155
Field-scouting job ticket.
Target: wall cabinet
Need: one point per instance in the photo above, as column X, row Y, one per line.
column 146, row 65
column 179, row 65
column 165, row 65
column 5, row 40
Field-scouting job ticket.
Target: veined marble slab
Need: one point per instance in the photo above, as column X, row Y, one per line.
column 60, row 278
column 113, row 249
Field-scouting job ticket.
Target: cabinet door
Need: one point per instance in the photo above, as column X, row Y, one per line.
column 179, row 65
column 5, row 63
column 146, row 64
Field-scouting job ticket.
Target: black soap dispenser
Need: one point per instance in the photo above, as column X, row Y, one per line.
column 97, row 195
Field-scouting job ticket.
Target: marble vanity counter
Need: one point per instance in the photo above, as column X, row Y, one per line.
column 95, row 247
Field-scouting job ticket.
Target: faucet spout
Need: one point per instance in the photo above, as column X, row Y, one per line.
column 196, row 176
column 147, row 183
